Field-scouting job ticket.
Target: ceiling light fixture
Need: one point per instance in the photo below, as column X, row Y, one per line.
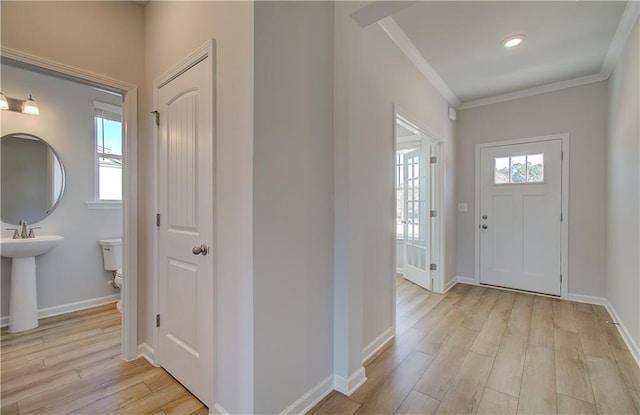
column 512, row 41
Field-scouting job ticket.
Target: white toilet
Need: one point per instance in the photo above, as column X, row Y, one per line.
column 112, row 259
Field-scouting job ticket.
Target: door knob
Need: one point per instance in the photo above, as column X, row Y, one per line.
column 200, row 250
column 484, row 217
column 483, row 227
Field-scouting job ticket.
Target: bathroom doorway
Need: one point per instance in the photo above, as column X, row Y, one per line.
column 126, row 227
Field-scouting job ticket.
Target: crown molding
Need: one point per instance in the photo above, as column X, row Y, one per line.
column 400, row 38
column 543, row 89
column 627, row 21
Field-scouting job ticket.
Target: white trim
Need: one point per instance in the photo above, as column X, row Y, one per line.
column 146, row 352
column 130, row 204
column 466, row 280
column 69, row 308
column 349, row 386
column 218, row 409
column 543, row 89
column 378, row 344
column 449, row 285
column 400, row 38
column 622, row 329
column 104, row 204
column 627, row 21
column 311, row 398
column 565, row 139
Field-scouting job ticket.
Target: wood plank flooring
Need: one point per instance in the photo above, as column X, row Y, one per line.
column 472, row 350
column 478, row 350
column 71, row 365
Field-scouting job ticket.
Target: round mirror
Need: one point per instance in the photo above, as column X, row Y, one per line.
column 32, row 178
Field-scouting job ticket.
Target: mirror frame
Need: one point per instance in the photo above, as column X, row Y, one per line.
column 55, row 153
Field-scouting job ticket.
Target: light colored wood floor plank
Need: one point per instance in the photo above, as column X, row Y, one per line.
column 609, row 390
column 463, row 397
column 496, row 403
column 541, row 332
column 338, row 404
column 571, row 406
column 387, row 398
column 572, row 378
column 538, row 390
column 593, row 338
column 563, row 316
column 418, row 403
column 490, row 335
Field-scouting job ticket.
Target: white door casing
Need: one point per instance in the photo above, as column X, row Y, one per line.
column 417, row 227
column 520, row 216
column 186, row 250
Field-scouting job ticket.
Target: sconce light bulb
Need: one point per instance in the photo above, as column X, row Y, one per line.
column 4, row 104
column 30, row 107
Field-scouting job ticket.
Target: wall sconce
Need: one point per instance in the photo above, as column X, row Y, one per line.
column 27, row 106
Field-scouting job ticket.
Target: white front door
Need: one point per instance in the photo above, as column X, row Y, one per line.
column 186, row 201
column 417, row 174
column 520, row 216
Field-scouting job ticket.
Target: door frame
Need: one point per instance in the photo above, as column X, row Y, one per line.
column 564, row 253
column 129, row 92
column 437, row 202
column 203, row 52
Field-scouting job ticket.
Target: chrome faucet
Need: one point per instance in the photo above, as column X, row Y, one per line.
column 23, row 233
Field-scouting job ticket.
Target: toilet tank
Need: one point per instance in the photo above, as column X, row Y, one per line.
column 111, row 253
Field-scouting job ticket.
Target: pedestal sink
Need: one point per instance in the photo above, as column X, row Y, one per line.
column 23, row 301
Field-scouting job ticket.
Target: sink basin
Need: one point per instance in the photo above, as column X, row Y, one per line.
column 23, row 248
column 23, row 300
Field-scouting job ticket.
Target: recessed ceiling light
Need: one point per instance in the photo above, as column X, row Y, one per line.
column 512, row 41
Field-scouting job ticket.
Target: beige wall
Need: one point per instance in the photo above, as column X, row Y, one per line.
column 173, row 30
column 103, row 37
column 623, row 239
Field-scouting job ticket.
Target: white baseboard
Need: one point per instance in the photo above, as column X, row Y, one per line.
column 69, row 308
column 466, row 280
column 380, row 342
column 449, row 285
column 311, row 398
column 218, row 410
column 145, row 351
column 622, row 329
column 348, row 386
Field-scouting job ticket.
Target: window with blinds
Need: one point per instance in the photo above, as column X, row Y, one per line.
column 108, row 139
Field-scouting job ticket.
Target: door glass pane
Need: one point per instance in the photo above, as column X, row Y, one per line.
column 535, row 168
column 501, row 170
column 519, row 169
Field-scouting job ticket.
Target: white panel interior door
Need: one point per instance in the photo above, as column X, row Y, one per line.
column 520, row 216
column 417, row 174
column 186, row 269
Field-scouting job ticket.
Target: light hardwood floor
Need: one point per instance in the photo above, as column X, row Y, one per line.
column 472, row 350
column 489, row 351
column 71, row 365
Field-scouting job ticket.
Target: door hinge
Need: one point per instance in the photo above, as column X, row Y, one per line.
column 560, row 279
column 157, row 219
column 157, row 114
column 561, row 216
column 433, row 213
column 433, row 267
column 562, row 155
column 433, row 159
column 157, row 320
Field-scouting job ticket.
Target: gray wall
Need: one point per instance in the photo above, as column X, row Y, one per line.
column 73, row 271
column 293, row 201
column 580, row 111
column 623, row 281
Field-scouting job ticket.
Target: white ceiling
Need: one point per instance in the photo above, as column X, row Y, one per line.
column 460, row 41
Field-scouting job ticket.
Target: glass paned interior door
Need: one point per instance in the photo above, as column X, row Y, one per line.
column 417, row 236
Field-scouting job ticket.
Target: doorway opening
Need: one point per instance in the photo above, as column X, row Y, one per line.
column 128, row 157
column 417, row 203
